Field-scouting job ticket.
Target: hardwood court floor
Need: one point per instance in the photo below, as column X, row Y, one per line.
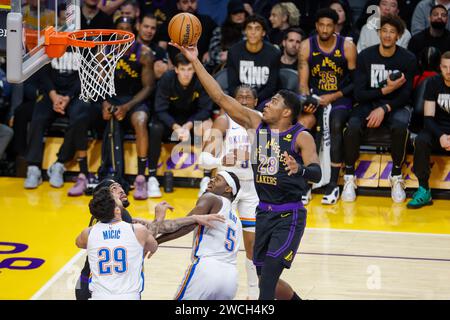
column 371, row 249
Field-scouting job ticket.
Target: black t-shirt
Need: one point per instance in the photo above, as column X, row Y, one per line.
column 372, row 68
column 259, row 70
column 439, row 92
column 100, row 21
column 424, row 39
column 177, row 104
column 293, row 66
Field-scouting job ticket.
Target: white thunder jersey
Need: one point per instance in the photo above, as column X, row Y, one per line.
column 236, row 137
column 116, row 259
column 221, row 242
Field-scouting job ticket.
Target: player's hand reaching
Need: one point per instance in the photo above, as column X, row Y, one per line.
column 208, row 219
column 231, row 158
column 291, row 164
column 191, row 53
column 161, row 209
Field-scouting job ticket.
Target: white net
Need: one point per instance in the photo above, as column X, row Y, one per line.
column 97, row 64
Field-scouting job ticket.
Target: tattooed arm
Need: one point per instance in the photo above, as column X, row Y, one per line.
column 206, row 203
column 303, row 67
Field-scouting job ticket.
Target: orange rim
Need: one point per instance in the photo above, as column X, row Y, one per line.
column 56, row 42
column 73, row 37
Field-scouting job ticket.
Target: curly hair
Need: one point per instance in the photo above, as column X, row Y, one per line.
column 102, row 205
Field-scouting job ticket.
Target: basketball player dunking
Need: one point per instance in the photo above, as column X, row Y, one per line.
column 285, row 155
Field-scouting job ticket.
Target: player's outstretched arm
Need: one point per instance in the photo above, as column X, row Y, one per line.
column 244, row 116
column 200, row 215
column 81, row 241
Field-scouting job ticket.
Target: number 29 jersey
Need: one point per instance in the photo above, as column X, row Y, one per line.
column 116, row 259
column 272, row 182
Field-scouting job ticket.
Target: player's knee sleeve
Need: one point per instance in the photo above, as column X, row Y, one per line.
column 270, row 274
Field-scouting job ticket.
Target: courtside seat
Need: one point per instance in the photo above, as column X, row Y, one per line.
column 288, row 79
column 418, row 102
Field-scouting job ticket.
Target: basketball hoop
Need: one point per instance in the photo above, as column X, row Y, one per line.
column 97, row 52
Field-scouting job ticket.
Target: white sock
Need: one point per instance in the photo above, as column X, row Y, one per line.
column 252, row 280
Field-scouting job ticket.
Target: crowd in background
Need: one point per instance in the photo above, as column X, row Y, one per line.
column 158, row 93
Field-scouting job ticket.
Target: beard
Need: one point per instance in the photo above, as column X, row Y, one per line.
column 438, row 25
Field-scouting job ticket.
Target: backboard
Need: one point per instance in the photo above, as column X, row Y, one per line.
column 26, row 22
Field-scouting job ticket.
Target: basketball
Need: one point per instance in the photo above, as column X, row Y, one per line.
column 185, row 29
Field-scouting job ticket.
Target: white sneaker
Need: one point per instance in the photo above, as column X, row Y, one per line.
column 397, row 188
column 306, row 198
column 203, row 185
column 153, row 188
column 34, row 177
column 331, row 197
column 56, row 175
column 348, row 192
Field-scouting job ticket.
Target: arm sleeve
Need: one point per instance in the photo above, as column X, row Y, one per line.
column 403, row 97
column 363, row 92
column 232, row 71
column 205, row 106
column 162, row 103
column 271, row 85
column 311, row 173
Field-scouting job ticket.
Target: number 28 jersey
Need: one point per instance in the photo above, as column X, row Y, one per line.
column 116, row 260
column 272, row 182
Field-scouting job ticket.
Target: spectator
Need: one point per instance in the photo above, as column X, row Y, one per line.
column 369, row 33
column 231, row 32
column 208, row 25
column 435, row 35
column 344, row 27
column 130, row 9
column 134, row 82
column 254, row 62
column 436, row 134
column 146, row 35
column 163, row 10
column 291, row 45
column 308, row 11
column 381, row 105
column 180, row 101
column 283, row 16
column 61, row 87
column 6, row 134
column 93, row 18
column 420, row 20
column 326, row 67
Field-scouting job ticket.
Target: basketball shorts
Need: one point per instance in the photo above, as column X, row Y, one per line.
column 245, row 203
column 279, row 229
column 130, row 296
column 209, row 279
